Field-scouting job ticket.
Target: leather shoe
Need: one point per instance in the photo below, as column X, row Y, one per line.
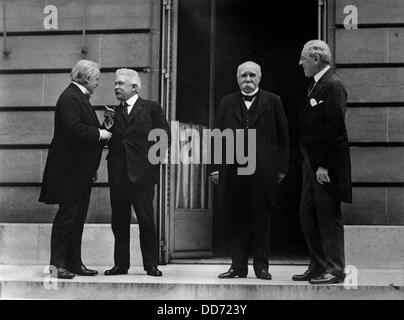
column 116, row 270
column 154, row 272
column 63, row 273
column 232, row 274
column 306, row 276
column 326, row 278
column 263, row 274
column 83, row 271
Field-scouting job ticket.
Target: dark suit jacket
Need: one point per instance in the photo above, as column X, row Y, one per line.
column 272, row 141
column 75, row 151
column 324, row 135
column 129, row 145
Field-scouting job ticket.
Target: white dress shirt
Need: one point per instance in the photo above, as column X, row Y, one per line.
column 249, row 103
column 321, row 73
column 131, row 102
column 82, row 88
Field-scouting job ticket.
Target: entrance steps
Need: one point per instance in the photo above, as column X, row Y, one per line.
column 195, row 282
column 29, row 244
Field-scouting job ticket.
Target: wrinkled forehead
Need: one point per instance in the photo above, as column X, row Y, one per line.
column 249, row 67
column 122, row 78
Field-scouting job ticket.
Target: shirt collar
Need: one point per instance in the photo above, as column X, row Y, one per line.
column 82, row 88
column 251, row 93
column 321, row 73
column 132, row 100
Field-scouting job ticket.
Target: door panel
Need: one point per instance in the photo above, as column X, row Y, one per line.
column 191, row 219
column 192, row 234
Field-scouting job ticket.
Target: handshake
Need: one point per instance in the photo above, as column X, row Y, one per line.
column 109, row 114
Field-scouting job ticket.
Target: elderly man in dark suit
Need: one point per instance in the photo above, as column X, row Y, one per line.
column 72, row 163
column 326, row 166
column 250, row 198
column 131, row 174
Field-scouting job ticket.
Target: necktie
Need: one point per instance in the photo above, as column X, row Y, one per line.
column 311, row 87
column 125, row 108
column 249, row 98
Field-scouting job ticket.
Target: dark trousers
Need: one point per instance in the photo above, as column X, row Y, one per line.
column 321, row 222
column 67, row 229
column 123, row 196
column 250, row 224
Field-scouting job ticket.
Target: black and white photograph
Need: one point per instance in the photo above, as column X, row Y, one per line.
column 205, row 155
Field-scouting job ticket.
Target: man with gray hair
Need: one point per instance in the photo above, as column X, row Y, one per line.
column 326, row 166
column 250, row 199
column 131, row 175
column 72, row 163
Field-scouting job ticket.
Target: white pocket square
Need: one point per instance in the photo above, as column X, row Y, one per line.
column 314, row 103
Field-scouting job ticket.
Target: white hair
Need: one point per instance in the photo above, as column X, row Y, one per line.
column 132, row 76
column 319, row 48
column 251, row 63
column 84, row 70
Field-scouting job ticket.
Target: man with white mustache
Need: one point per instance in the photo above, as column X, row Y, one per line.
column 250, row 198
column 131, row 176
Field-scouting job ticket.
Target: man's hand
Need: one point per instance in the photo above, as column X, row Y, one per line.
column 105, row 134
column 322, row 175
column 109, row 114
column 281, row 176
column 95, row 178
column 215, row 177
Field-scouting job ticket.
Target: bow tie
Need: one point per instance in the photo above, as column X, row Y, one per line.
column 249, row 98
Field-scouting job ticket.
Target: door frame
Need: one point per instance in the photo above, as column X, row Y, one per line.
column 168, row 88
column 168, row 214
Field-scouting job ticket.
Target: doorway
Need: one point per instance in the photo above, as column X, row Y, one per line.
column 207, row 61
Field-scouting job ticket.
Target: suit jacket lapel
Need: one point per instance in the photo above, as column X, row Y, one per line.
column 91, row 109
column 119, row 120
column 236, row 106
column 318, row 86
column 259, row 108
column 86, row 100
column 137, row 107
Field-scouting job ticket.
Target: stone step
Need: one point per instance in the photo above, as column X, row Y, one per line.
column 196, row 282
column 29, row 244
column 374, row 246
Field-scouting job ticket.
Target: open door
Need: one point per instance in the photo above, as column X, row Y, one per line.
column 190, row 190
column 167, row 100
column 207, row 41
